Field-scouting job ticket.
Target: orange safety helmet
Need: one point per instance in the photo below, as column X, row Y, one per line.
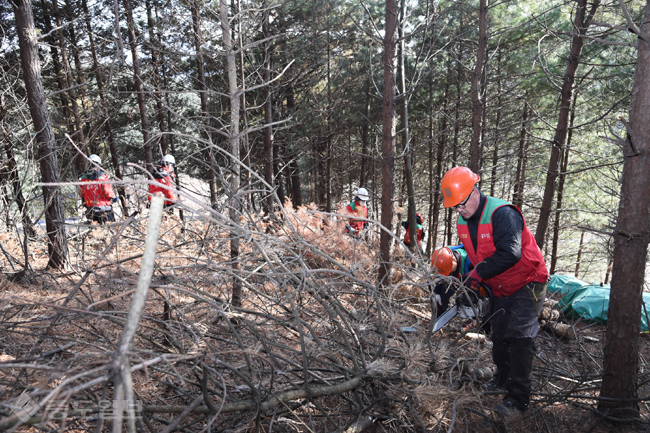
column 443, row 260
column 457, row 185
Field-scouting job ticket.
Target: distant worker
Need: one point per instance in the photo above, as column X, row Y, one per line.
column 497, row 239
column 420, row 233
column 98, row 198
column 449, row 261
column 164, row 174
column 358, row 209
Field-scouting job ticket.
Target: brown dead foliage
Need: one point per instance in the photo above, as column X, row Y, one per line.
column 314, row 331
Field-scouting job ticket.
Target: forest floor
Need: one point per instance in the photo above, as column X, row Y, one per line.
column 315, row 346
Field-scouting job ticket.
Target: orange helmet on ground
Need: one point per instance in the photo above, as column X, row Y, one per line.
column 457, row 185
column 443, row 260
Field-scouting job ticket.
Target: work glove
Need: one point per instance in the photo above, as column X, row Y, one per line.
column 437, row 299
column 473, row 280
column 114, row 199
column 350, row 229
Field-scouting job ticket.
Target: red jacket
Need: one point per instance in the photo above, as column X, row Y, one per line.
column 165, row 177
column 357, row 211
column 531, row 267
column 96, row 195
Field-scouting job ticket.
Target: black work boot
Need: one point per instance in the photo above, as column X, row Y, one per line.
column 501, row 358
column 522, row 355
column 498, row 381
column 509, row 410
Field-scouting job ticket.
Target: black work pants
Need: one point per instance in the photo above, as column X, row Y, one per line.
column 514, row 328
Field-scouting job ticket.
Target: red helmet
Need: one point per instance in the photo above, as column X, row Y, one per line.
column 457, row 185
column 443, row 260
column 418, row 218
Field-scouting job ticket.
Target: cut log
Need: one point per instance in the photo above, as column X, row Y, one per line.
column 562, row 330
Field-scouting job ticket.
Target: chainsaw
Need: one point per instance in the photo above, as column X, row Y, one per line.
column 469, row 304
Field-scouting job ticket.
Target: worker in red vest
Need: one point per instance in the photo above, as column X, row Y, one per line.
column 165, row 175
column 358, row 209
column 418, row 235
column 497, row 239
column 98, row 198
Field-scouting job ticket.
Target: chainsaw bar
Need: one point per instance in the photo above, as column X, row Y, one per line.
column 445, row 318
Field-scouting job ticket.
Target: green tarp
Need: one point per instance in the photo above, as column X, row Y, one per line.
column 587, row 301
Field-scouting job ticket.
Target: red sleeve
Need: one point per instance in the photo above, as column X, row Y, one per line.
column 108, row 189
column 169, row 194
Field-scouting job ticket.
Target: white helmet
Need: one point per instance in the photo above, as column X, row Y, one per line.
column 362, row 193
column 96, row 159
column 169, row 159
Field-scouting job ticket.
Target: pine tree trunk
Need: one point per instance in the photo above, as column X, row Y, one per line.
column 233, row 138
column 155, row 66
column 54, row 218
column 388, row 142
column 78, row 136
column 621, row 362
column 520, row 175
column 581, row 24
column 497, row 124
column 139, row 86
column 477, row 102
column 404, row 119
column 13, row 177
column 268, row 107
column 294, row 168
column 200, row 69
column 564, row 162
column 365, row 127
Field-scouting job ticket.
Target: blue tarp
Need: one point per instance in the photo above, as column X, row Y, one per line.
column 587, row 301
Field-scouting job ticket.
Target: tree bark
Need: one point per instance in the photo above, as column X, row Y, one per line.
column 477, row 102
column 155, row 66
column 203, row 95
column 630, row 249
column 581, row 24
column 11, row 170
column 139, row 86
column 365, row 127
column 268, row 109
column 520, row 175
column 404, row 121
column 564, row 162
column 78, row 136
column 388, row 142
column 233, row 138
column 58, row 70
column 497, row 124
column 57, row 247
column 440, row 155
column 294, row 168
